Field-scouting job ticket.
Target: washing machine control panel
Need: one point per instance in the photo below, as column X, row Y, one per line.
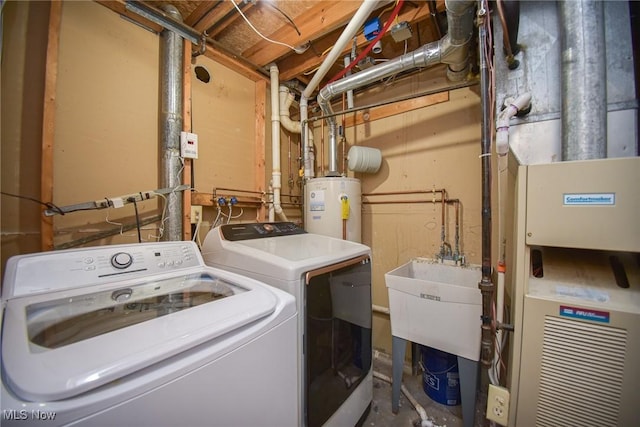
column 50, row 271
column 235, row 232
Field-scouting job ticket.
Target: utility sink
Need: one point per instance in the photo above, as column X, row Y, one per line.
column 438, row 305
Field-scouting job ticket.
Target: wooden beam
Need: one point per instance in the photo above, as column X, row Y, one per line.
column 118, row 6
column 186, row 126
column 319, row 20
column 234, row 63
column 49, row 121
column 216, row 14
column 201, row 11
column 363, row 116
column 260, row 113
column 293, row 65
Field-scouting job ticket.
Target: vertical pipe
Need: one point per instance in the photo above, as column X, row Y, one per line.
column 485, row 285
column 171, row 99
column 349, row 32
column 584, row 80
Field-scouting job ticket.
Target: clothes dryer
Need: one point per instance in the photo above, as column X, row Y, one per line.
column 331, row 281
column 144, row 335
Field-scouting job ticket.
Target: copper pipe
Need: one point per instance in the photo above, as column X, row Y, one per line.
column 443, row 227
column 344, row 136
column 390, row 202
column 443, row 201
column 393, row 193
column 505, row 30
column 236, row 190
column 456, row 202
column 290, row 181
column 344, row 229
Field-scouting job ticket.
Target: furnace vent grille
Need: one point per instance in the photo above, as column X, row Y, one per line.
column 581, row 374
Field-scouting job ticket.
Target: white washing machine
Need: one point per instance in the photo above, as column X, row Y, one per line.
column 144, row 335
column 331, row 280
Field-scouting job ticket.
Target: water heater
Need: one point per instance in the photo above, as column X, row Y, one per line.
column 333, row 207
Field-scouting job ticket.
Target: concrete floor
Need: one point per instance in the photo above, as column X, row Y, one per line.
column 381, row 415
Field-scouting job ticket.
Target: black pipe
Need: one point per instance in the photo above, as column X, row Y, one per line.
column 511, row 9
column 485, row 285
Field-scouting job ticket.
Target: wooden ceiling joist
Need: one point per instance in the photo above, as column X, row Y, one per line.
column 118, row 6
column 293, row 65
column 215, row 15
column 315, row 22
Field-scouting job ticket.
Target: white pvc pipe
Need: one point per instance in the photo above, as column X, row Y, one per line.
column 276, row 176
column 347, row 61
column 380, row 309
column 502, row 123
column 349, row 32
column 286, row 99
column 425, row 422
column 502, row 149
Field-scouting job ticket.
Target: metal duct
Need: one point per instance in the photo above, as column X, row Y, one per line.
column 170, row 123
column 584, row 80
column 452, row 49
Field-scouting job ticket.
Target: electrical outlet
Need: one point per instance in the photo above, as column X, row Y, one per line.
column 196, row 214
column 498, row 404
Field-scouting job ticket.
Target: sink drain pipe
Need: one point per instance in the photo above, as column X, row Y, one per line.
column 424, row 421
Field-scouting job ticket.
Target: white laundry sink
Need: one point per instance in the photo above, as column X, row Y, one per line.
column 437, row 305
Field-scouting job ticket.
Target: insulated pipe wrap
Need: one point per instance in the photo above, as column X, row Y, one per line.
column 584, row 80
column 171, row 99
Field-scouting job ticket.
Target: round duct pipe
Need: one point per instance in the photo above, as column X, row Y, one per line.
column 170, row 124
column 584, row 80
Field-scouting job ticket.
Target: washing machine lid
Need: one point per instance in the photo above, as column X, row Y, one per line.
column 58, row 345
column 284, row 256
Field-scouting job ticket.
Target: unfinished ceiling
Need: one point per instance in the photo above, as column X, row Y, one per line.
column 309, row 26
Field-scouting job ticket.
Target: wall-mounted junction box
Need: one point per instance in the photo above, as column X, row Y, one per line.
column 401, row 31
column 188, row 145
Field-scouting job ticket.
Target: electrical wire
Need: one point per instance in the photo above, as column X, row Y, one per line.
column 163, row 218
column 296, row 50
column 135, row 207
column 33, row 199
column 283, row 14
column 362, row 54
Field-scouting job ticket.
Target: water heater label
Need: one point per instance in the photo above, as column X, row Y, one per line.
column 589, row 199
column 584, row 314
column 316, row 201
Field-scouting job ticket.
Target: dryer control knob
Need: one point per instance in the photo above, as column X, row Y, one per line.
column 121, row 260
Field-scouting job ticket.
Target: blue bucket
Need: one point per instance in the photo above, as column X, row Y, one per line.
column 441, row 381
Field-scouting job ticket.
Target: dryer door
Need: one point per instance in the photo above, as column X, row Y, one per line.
column 337, row 335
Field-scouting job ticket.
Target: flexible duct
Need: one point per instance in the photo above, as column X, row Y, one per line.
column 345, row 38
column 584, row 80
column 452, row 49
column 171, row 99
column 276, row 175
